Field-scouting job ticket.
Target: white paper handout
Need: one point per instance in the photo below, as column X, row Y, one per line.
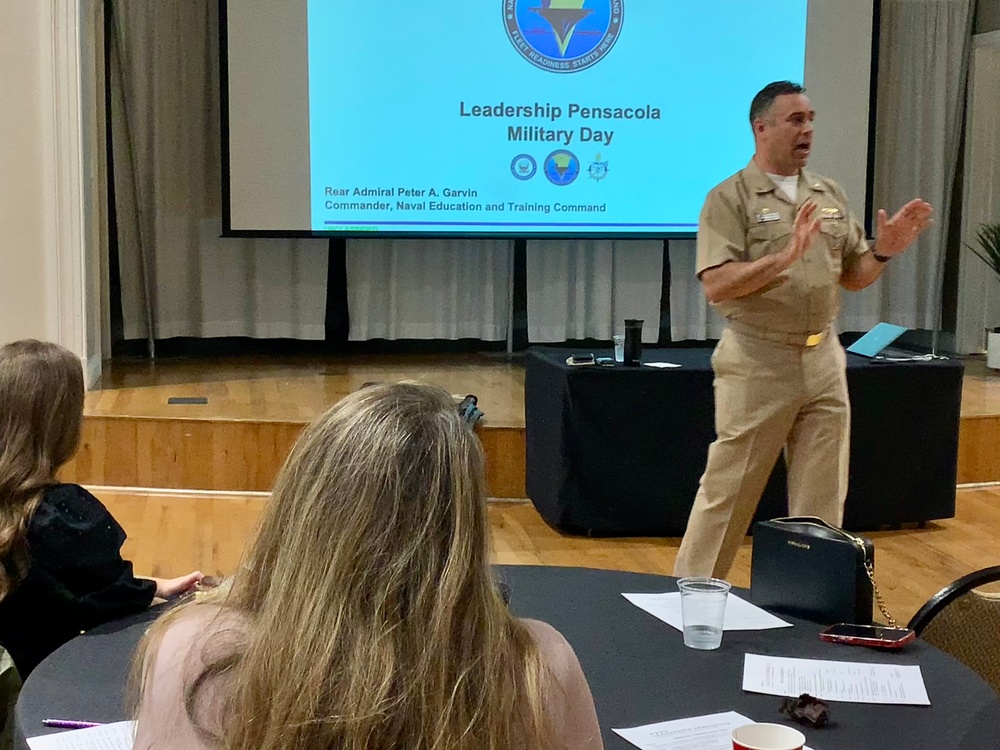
column 851, row 682
column 740, row 614
column 712, row 732
column 116, row 736
column 660, row 365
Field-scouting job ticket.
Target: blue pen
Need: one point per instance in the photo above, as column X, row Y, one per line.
column 70, row 724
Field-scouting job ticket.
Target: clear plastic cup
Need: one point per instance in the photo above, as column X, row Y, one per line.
column 619, row 347
column 703, row 609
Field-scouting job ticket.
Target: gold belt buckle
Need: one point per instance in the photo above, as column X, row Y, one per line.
column 814, row 338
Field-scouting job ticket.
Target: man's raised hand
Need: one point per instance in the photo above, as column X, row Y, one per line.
column 806, row 227
column 895, row 235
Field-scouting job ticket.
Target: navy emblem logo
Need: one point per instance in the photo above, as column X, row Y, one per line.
column 523, row 167
column 561, row 167
column 598, row 169
column 563, row 36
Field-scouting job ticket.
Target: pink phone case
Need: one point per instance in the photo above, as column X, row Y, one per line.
column 873, row 641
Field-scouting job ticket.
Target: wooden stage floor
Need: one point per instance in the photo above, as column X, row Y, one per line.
column 299, row 389
column 237, row 440
column 255, row 407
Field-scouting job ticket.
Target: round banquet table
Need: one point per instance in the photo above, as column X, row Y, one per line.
column 637, row 666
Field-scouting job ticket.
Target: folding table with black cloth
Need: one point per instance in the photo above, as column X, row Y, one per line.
column 618, row 451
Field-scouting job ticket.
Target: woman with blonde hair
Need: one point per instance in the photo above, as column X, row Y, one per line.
column 61, row 569
column 364, row 615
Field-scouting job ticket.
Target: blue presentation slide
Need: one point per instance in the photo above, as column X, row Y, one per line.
column 535, row 117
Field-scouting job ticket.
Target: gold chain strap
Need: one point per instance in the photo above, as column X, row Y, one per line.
column 870, row 570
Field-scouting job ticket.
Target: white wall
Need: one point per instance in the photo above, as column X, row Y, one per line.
column 27, row 279
column 49, row 288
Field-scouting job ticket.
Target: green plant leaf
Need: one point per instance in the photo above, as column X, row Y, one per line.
column 987, row 246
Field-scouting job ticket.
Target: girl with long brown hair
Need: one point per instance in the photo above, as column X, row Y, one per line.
column 61, row 569
column 364, row 615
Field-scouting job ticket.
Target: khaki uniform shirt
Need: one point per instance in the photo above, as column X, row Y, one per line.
column 747, row 217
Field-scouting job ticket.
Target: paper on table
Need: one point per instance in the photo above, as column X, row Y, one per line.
column 117, row 736
column 712, row 732
column 740, row 614
column 851, row 682
column 661, row 365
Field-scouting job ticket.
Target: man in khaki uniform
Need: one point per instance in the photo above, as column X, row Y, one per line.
column 775, row 244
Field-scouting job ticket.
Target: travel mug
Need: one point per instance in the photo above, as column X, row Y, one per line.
column 633, row 342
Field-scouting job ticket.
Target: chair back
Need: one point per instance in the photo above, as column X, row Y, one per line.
column 965, row 623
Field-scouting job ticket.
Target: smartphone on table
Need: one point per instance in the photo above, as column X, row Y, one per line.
column 875, row 636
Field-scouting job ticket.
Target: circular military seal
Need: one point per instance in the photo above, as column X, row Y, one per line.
column 561, row 167
column 563, row 36
column 523, row 167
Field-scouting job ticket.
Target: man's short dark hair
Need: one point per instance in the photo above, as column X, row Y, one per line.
column 766, row 96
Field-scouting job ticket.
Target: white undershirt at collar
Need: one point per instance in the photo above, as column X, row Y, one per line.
column 788, row 185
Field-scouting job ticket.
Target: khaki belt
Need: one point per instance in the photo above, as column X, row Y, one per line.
column 794, row 339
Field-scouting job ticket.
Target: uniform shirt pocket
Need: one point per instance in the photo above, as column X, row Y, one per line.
column 834, row 228
column 833, row 233
column 766, row 238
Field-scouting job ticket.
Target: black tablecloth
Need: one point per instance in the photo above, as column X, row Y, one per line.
column 84, row 680
column 618, row 451
column 640, row 672
column 638, row 669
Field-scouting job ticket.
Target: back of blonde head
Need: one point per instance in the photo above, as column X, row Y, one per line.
column 41, row 410
column 373, row 620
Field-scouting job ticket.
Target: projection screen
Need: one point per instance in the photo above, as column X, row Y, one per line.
column 521, row 118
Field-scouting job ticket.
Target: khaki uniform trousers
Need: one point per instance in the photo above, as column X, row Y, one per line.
column 769, row 396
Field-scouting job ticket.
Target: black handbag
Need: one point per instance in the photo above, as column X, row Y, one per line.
column 804, row 567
